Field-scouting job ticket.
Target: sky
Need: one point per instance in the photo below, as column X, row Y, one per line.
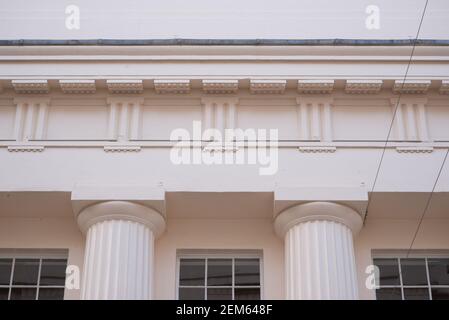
column 226, row 19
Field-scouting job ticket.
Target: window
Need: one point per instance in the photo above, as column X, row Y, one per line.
column 417, row 278
column 32, row 276
column 219, row 277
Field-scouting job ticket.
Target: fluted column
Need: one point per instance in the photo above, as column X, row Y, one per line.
column 119, row 253
column 319, row 250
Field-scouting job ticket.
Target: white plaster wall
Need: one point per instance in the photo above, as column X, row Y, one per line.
column 44, row 233
column 377, row 234
column 397, row 234
column 219, row 234
column 22, row 19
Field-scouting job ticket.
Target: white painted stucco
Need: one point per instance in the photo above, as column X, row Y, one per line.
column 86, row 126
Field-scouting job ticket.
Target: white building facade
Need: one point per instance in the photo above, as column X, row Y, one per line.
column 337, row 165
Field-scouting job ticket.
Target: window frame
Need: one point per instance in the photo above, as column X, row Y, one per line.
column 219, row 254
column 415, row 254
column 35, row 254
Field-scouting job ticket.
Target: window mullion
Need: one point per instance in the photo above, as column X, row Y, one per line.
column 428, row 279
column 13, row 266
column 38, row 278
column 233, row 279
column 400, row 278
column 205, row 278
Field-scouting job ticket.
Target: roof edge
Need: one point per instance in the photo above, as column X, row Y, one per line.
column 225, row 42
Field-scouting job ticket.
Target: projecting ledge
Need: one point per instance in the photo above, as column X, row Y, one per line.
column 353, row 197
column 147, row 195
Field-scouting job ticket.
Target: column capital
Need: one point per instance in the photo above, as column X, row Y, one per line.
column 121, row 210
column 319, row 210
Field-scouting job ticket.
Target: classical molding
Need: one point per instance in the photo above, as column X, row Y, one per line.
column 172, row 86
column 267, row 86
column 220, row 86
column 30, row 121
column 410, row 121
column 30, row 86
column 317, row 211
column 315, row 86
column 219, row 113
column 125, row 115
column 125, row 86
column 122, row 148
column 414, row 149
column 411, row 86
column 444, row 88
column 363, row 86
column 26, row 148
column 317, row 149
column 121, row 210
column 220, row 148
column 315, row 118
column 77, row 86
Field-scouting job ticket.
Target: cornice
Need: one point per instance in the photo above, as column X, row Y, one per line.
column 125, row 86
column 30, row 86
column 256, row 86
column 411, row 86
column 315, row 86
column 77, row 86
column 444, row 88
column 363, row 86
column 171, row 86
column 220, row 86
column 267, row 86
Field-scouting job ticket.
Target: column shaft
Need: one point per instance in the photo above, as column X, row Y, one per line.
column 118, row 261
column 320, row 264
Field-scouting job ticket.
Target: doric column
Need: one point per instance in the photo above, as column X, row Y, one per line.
column 118, row 261
column 319, row 251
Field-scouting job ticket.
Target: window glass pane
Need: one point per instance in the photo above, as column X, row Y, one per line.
column 191, row 293
column 192, row 272
column 388, row 271
column 413, row 272
column 23, row 294
column 247, row 294
column 219, row 294
column 26, row 272
column 4, row 293
column 388, row 294
column 219, row 272
column 440, row 293
column 5, row 271
column 51, row 293
column 53, row 272
column 416, row 293
column 247, row 272
column 439, row 271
